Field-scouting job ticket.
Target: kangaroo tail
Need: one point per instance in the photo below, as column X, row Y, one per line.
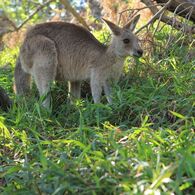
column 5, row 102
column 22, row 79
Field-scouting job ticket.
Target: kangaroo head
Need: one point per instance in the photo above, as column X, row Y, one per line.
column 124, row 42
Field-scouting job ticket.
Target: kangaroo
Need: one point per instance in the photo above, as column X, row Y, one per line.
column 64, row 51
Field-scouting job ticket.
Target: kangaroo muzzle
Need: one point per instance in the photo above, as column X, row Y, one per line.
column 138, row 53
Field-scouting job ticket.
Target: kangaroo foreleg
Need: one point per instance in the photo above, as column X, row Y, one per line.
column 107, row 91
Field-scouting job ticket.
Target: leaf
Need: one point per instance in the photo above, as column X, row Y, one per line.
column 75, row 142
column 145, row 121
column 4, row 131
column 10, row 171
column 164, row 176
column 185, row 186
column 177, row 114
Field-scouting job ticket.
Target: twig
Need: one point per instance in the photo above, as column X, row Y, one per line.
column 175, row 12
column 156, row 29
column 137, row 10
column 155, row 16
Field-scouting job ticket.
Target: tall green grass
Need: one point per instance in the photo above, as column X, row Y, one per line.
column 141, row 144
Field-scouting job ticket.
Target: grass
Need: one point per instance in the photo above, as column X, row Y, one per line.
column 141, row 144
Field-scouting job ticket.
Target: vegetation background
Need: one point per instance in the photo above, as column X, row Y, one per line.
column 141, row 144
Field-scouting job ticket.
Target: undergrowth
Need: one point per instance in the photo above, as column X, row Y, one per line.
column 141, row 144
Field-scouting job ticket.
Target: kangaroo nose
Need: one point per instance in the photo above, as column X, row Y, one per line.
column 140, row 52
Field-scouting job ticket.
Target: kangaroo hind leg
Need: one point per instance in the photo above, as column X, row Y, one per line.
column 96, row 83
column 44, row 67
column 74, row 89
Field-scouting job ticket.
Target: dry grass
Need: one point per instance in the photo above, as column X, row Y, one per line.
column 112, row 10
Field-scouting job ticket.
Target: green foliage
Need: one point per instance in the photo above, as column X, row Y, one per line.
column 7, row 62
column 19, row 10
column 8, row 57
column 141, row 144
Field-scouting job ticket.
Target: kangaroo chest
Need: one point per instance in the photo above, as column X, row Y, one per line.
column 117, row 68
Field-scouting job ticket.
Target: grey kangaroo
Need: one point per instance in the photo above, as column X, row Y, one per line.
column 64, row 51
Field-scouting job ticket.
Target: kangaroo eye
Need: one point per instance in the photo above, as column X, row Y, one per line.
column 126, row 41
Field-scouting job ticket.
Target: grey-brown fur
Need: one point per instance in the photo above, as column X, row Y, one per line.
column 64, row 51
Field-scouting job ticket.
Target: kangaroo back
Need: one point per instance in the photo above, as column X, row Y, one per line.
column 77, row 48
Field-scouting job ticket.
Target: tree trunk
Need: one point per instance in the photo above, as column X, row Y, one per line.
column 184, row 7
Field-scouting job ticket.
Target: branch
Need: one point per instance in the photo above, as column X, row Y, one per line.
column 64, row 2
column 156, row 14
column 16, row 28
column 35, row 12
column 166, row 19
column 181, row 6
column 69, row 8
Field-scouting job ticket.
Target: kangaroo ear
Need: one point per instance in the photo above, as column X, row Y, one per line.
column 113, row 27
column 131, row 25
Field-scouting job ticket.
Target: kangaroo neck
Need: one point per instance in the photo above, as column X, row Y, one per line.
column 113, row 52
column 116, row 57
